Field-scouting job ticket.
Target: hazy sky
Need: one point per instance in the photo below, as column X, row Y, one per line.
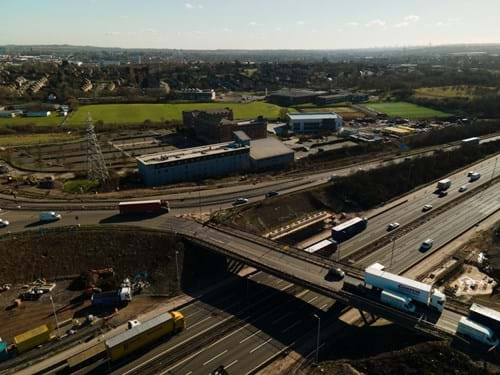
column 257, row 24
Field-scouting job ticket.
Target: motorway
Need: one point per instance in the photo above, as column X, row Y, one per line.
column 412, row 208
column 271, row 330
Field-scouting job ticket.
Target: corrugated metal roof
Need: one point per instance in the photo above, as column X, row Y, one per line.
column 137, row 330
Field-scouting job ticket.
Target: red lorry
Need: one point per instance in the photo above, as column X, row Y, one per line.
column 143, row 207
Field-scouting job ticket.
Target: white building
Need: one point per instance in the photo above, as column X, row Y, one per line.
column 314, row 122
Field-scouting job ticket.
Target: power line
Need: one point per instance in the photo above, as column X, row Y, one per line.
column 96, row 167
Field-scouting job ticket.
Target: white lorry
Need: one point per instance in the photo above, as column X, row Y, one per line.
column 477, row 332
column 49, row 216
column 397, row 301
column 444, row 184
column 417, row 291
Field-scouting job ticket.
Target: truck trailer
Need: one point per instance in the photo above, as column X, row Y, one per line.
column 417, row 291
column 398, row 301
column 32, row 338
column 348, row 229
column 444, row 184
column 144, row 207
column 477, row 332
column 144, row 334
column 485, row 316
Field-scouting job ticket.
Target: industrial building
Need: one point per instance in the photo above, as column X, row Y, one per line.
column 340, row 97
column 289, row 97
column 197, row 95
column 194, row 164
column 270, row 153
column 216, row 160
column 217, row 126
column 314, row 122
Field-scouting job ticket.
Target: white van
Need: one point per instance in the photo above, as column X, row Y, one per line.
column 49, row 216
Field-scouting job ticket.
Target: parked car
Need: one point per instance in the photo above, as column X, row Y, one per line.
column 427, row 244
column 240, row 201
column 4, row 223
column 462, row 188
column 271, row 194
column 393, row 226
column 427, row 207
column 335, row 274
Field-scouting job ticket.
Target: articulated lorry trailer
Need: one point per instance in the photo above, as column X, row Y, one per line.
column 485, row 316
column 418, row 292
column 477, row 332
column 349, row 229
column 143, row 207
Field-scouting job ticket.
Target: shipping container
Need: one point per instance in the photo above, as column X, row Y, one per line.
column 143, row 207
column 141, row 335
column 32, row 338
column 486, row 316
column 349, row 229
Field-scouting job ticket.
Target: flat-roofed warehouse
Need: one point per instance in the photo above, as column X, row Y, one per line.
column 314, row 122
column 270, row 153
column 194, row 164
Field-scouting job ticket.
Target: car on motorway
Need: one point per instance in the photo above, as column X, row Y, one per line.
column 393, row 226
column 426, row 245
column 443, row 193
column 334, row 274
column 4, row 223
column 462, row 188
column 427, row 207
column 239, row 201
column 271, row 194
column 49, row 216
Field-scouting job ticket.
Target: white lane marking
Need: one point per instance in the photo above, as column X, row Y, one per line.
column 231, row 364
column 322, row 307
column 312, row 299
column 249, row 337
column 214, row 358
column 281, row 318
column 260, row 346
column 287, row 286
column 291, row 326
column 198, row 323
column 189, row 373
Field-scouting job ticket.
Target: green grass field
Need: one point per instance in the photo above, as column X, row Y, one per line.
column 53, row 119
column 406, row 110
column 138, row 113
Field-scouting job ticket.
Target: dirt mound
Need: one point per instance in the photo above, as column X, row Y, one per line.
column 128, row 251
column 425, row 358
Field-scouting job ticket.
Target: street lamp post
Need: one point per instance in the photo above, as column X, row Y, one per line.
column 55, row 316
column 177, row 269
column 392, row 252
column 317, row 338
column 494, row 168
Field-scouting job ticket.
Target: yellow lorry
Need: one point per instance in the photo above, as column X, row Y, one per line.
column 32, row 338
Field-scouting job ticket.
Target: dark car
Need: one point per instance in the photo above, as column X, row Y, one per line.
column 272, row 194
column 334, row 274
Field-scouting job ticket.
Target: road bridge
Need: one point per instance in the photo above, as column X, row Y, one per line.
column 308, row 271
